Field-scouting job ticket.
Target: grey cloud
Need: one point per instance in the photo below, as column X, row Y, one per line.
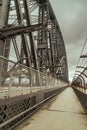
column 72, row 18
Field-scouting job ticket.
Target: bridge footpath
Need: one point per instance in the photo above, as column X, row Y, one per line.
column 64, row 112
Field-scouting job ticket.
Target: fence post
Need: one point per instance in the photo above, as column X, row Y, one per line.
column 31, row 82
column 10, row 85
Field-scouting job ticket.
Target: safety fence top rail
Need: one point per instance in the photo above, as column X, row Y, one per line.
column 21, row 80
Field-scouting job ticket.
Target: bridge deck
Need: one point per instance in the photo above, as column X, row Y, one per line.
column 64, row 112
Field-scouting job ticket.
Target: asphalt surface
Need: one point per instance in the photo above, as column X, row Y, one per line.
column 64, row 112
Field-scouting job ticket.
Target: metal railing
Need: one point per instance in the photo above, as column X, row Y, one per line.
column 21, row 80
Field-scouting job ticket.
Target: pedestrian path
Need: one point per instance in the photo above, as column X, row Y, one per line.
column 64, row 112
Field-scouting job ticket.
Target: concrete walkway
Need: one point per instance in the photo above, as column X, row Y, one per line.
column 64, row 112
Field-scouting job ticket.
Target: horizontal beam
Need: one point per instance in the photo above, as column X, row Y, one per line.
column 82, row 67
column 9, row 32
column 83, row 56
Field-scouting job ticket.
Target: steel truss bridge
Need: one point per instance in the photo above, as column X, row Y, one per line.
column 33, row 61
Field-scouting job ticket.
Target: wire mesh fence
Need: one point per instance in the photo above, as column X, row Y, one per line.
column 20, row 80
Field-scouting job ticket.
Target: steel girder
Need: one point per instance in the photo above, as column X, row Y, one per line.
column 82, row 83
column 82, row 66
column 79, row 82
column 51, row 53
column 83, row 74
column 43, row 47
column 5, row 45
column 78, row 76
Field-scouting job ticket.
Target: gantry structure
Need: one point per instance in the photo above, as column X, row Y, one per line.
column 30, row 36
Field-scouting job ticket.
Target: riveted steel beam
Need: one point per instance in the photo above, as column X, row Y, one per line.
column 32, row 45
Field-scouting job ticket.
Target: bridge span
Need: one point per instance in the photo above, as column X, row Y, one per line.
column 34, row 72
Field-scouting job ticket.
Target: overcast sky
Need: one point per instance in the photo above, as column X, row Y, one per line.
column 72, row 18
